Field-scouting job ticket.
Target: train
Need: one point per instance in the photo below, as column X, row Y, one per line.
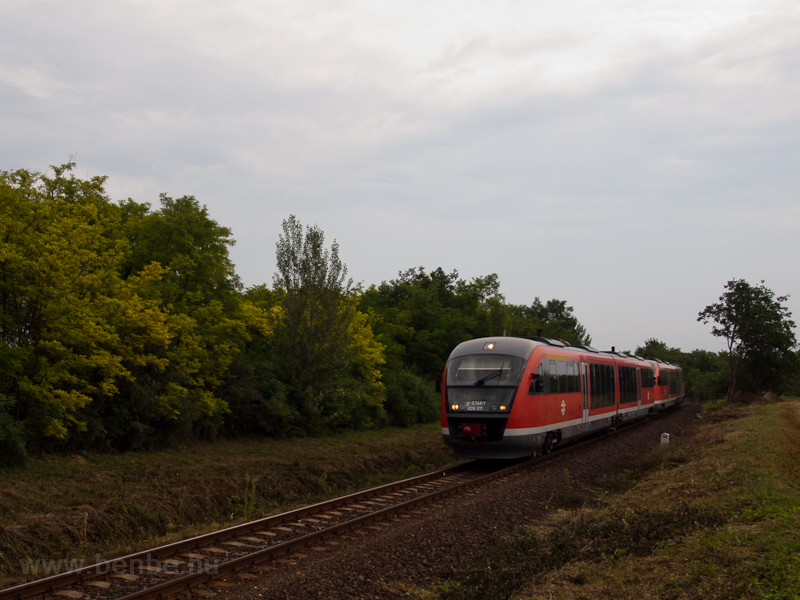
column 516, row 397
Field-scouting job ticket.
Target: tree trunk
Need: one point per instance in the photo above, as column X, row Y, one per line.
column 733, row 372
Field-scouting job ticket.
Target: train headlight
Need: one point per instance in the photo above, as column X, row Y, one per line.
column 454, row 407
column 502, row 408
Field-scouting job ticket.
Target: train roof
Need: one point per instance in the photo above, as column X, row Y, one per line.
column 524, row 347
column 664, row 363
column 512, row 346
column 515, row 346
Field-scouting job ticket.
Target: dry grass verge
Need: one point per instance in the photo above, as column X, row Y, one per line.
column 84, row 506
column 716, row 517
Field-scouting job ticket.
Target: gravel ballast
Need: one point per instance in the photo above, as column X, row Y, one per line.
column 412, row 552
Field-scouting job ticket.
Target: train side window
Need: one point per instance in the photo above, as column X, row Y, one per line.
column 627, row 385
column 613, row 399
column 553, row 376
column 570, row 376
column 561, row 365
column 602, row 371
column 602, row 384
column 611, row 382
column 538, row 381
column 576, row 377
column 601, row 390
column 647, row 378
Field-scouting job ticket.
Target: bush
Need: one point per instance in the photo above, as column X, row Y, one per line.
column 706, row 385
column 257, row 400
column 354, row 404
column 12, row 437
column 409, row 398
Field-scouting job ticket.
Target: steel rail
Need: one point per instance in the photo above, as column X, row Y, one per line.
column 242, row 562
column 168, row 588
column 77, row 576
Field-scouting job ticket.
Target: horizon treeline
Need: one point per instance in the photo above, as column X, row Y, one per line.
column 707, row 374
column 125, row 327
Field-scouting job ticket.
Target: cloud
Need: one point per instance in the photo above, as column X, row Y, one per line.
column 615, row 155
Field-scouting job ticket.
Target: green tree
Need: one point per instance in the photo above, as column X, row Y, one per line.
column 704, row 371
column 70, row 329
column 209, row 322
column 12, row 437
column 656, row 349
column 757, row 328
column 188, row 243
column 554, row 319
column 118, row 326
column 315, row 305
column 324, row 350
column 705, row 374
column 421, row 316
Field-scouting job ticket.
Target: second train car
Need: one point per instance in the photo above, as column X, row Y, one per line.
column 510, row 397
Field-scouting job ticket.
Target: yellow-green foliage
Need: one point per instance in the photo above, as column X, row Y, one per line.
column 65, row 310
column 80, row 317
column 366, row 351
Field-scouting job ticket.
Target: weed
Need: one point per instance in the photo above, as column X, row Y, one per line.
column 114, row 504
column 567, row 498
column 717, row 519
column 250, row 497
column 508, row 564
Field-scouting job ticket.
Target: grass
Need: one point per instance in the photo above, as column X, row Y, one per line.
column 92, row 504
column 717, row 517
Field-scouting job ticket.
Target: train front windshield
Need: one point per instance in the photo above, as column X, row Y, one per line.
column 483, row 383
column 485, row 370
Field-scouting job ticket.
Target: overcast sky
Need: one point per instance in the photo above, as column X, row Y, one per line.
column 628, row 157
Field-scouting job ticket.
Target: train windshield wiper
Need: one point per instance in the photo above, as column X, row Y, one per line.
column 482, row 380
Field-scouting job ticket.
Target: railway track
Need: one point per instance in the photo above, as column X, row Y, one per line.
column 173, row 568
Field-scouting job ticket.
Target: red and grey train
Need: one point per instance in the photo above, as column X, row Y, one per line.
column 511, row 397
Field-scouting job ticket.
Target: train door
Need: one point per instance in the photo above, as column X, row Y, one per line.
column 585, row 379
